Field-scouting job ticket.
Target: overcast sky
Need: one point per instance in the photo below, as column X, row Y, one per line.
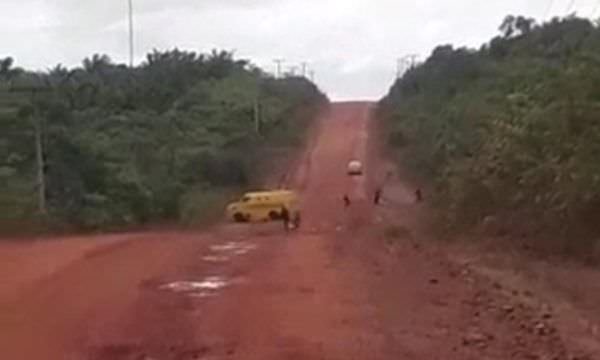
column 352, row 45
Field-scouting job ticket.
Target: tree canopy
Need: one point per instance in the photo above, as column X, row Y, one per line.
column 510, row 130
column 104, row 144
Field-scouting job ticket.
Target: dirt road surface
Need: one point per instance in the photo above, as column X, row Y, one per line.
column 352, row 283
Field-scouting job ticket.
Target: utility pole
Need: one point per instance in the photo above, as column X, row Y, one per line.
column 312, row 75
column 40, row 148
column 402, row 65
column 279, row 62
column 256, row 115
column 40, row 155
column 304, row 67
column 131, row 50
column 412, row 60
column 41, row 164
column 405, row 63
column 399, row 67
column 293, row 70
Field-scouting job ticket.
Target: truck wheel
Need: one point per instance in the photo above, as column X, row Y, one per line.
column 239, row 217
column 274, row 215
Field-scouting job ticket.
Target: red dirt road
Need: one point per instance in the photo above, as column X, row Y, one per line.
column 337, row 289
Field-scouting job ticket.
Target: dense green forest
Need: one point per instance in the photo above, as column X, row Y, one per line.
column 509, row 132
column 107, row 145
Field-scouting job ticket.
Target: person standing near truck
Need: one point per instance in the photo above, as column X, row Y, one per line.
column 297, row 220
column 285, row 217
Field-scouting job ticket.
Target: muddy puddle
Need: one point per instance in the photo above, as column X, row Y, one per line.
column 209, row 286
column 221, row 253
column 234, row 247
column 215, row 258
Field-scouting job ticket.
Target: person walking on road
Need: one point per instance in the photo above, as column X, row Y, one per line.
column 377, row 196
column 297, row 220
column 346, row 201
column 418, row 195
column 285, row 217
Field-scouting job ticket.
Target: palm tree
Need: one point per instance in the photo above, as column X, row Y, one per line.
column 96, row 63
column 7, row 71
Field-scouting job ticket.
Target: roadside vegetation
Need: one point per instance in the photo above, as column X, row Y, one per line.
column 104, row 145
column 509, row 134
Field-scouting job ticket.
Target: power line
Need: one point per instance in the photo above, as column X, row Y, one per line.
column 570, row 7
column 596, row 7
column 548, row 9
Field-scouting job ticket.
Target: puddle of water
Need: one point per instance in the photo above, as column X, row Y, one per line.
column 215, row 258
column 245, row 250
column 202, row 294
column 237, row 248
column 225, row 247
column 211, row 283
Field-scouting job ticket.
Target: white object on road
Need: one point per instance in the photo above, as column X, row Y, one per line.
column 209, row 283
column 355, row 167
